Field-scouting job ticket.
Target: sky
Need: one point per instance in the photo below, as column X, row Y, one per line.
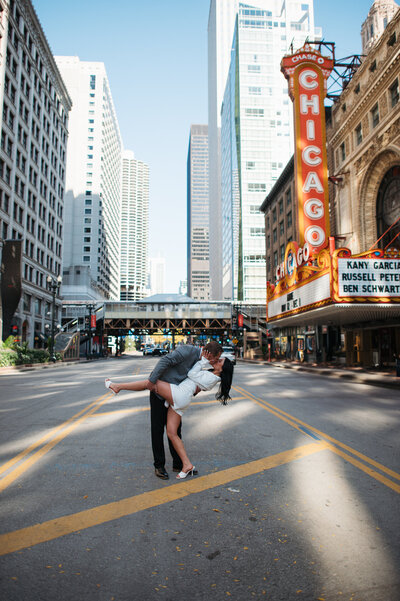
column 155, row 53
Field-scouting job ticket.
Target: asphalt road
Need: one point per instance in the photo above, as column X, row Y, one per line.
column 297, row 496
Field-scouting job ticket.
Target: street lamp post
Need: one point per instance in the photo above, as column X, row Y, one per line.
column 90, row 309
column 54, row 285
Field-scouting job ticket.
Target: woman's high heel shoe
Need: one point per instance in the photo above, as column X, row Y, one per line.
column 183, row 475
column 107, row 383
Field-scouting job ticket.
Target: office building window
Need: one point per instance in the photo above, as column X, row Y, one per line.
column 343, row 151
column 375, row 115
column 358, row 134
column 27, row 301
column 394, row 93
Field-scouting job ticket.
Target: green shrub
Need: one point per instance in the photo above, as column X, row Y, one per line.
column 7, row 357
column 21, row 354
column 9, row 342
column 26, row 355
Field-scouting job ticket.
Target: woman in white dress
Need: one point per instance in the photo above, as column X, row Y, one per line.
column 178, row 397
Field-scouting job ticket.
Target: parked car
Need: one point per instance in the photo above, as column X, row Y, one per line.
column 229, row 353
column 159, row 351
column 148, row 349
column 155, row 351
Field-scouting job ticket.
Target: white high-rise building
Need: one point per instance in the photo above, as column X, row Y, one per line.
column 157, row 271
column 198, row 268
column 256, row 135
column 221, row 24
column 93, row 184
column 134, row 227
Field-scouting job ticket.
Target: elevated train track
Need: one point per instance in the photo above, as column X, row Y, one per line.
column 166, row 313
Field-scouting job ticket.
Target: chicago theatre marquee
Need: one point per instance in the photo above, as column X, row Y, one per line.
column 323, row 299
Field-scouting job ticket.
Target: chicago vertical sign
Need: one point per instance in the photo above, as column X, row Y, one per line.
column 308, row 71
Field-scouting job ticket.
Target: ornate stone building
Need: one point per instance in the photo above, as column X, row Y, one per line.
column 364, row 159
column 364, row 149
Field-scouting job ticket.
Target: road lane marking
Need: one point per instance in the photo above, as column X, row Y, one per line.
column 118, row 411
column 41, row 440
column 292, row 420
column 393, row 485
column 69, row 426
column 32, row 459
column 276, row 413
column 46, row 531
column 138, row 409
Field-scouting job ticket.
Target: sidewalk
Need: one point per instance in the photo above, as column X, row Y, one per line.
column 9, row 369
column 386, row 379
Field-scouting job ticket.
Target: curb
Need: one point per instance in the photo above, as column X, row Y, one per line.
column 383, row 381
column 37, row 366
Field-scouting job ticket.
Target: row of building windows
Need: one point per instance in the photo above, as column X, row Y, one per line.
column 374, row 118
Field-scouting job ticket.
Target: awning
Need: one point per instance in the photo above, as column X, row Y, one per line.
column 339, row 314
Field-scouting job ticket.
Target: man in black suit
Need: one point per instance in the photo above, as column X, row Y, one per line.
column 173, row 368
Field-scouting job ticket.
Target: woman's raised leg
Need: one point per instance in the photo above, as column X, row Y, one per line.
column 173, row 421
column 135, row 386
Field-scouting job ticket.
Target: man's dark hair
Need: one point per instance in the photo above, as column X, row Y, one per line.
column 213, row 347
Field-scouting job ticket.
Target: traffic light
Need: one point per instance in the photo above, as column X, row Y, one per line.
column 14, row 330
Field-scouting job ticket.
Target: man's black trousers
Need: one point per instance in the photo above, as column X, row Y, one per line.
column 158, row 416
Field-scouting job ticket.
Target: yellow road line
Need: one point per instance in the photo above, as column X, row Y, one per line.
column 46, row 531
column 393, row 485
column 138, row 409
column 41, row 440
column 116, row 411
column 292, row 420
column 32, row 459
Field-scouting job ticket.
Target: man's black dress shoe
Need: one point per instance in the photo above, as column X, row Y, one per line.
column 160, row 472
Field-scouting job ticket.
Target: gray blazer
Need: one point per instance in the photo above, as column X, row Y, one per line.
column 174, row 367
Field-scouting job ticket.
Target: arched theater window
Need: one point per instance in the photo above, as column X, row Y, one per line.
column 388, row 209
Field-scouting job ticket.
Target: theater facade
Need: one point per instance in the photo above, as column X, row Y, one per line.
column 336, row 293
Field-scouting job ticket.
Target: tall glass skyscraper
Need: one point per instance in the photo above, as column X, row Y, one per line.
column 256, row 135
column 134, row 227
column 198, row 266
column 221, row 23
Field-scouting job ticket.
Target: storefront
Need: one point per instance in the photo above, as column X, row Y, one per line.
column 340, row 308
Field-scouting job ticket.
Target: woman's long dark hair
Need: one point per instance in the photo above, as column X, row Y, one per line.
column 226, row 381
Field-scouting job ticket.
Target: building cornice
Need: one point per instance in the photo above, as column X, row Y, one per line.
column 359, row 110
column 40, row 40
column 388, row 64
